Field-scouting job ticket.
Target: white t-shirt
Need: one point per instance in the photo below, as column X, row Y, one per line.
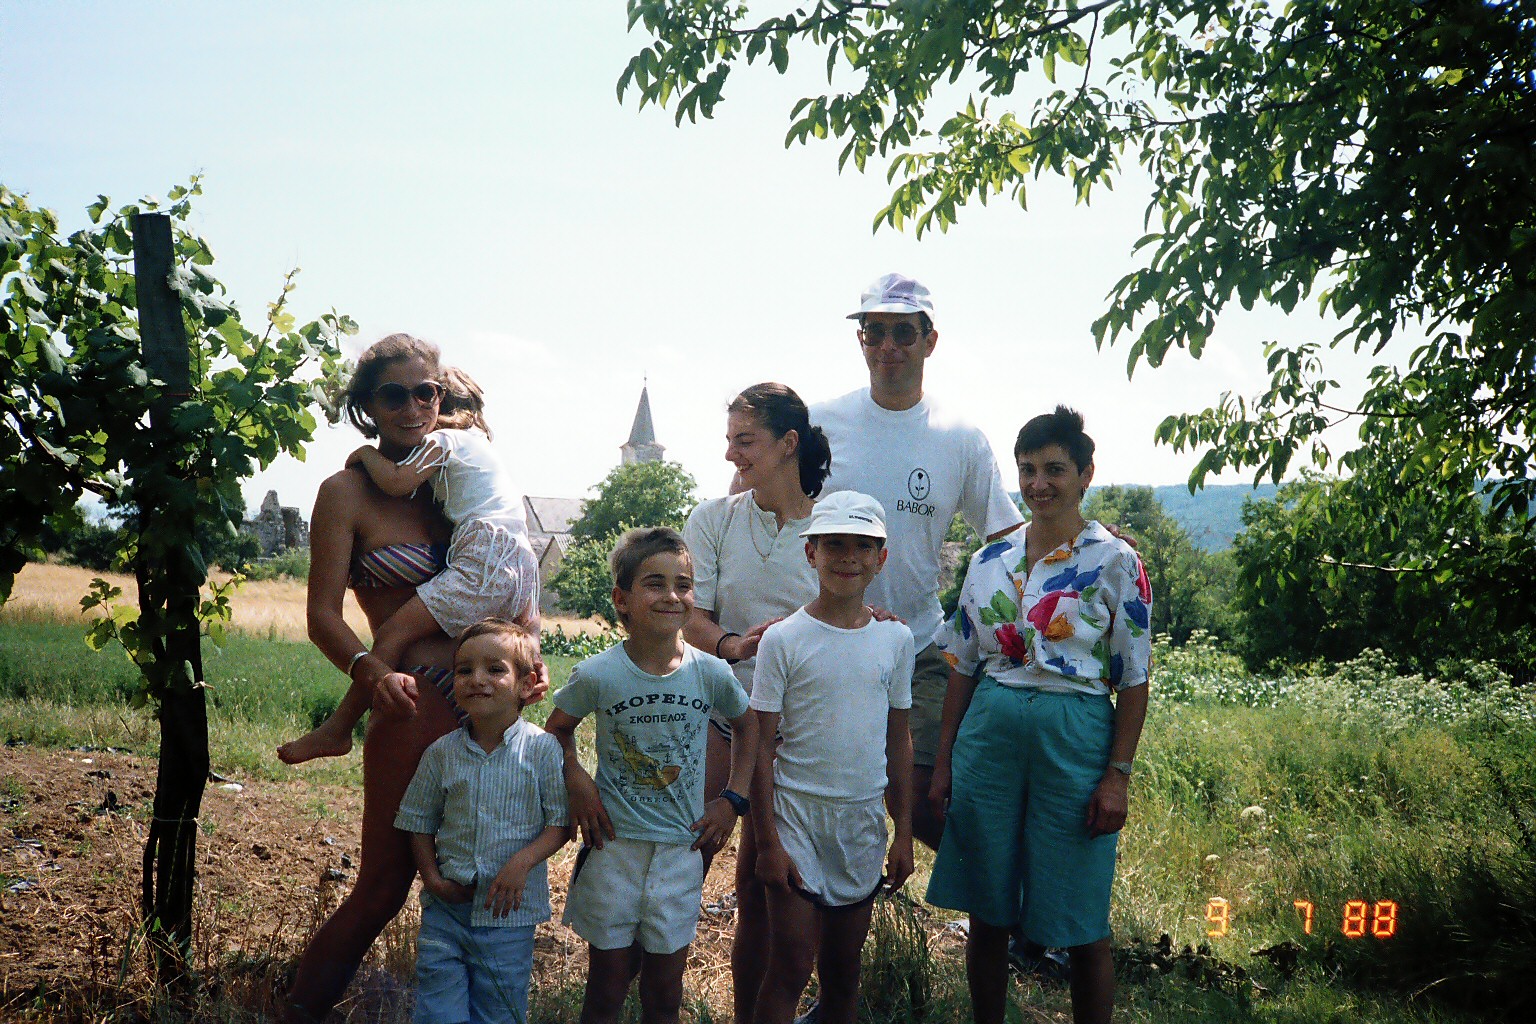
column 833, row 689
column 471, row 482
column 746, row 569
column 923, row 466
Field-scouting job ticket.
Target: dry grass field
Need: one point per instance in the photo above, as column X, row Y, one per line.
column 268, row 608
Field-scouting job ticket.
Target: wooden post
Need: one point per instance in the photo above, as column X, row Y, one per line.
column 168, row 595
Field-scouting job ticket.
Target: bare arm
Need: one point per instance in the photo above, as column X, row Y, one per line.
column 703, row 632
column 332, row 527
column 394, row 478
column 586, row 805
column 774, row 867
column 1110, row 802
column 898, row 796
column 719, row 819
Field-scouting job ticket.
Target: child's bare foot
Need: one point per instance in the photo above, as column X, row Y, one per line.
column 321, row 742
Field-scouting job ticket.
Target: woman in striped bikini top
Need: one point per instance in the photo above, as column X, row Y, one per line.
column 383, row 548
column 397, row 565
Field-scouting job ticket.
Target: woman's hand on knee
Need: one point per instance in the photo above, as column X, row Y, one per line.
column 540, row 689
column 395, row 693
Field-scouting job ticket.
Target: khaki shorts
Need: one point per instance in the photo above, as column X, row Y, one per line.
column 930, row 681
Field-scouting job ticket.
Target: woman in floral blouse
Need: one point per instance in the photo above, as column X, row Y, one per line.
column 1034, row 758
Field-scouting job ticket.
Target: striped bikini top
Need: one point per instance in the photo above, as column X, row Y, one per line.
column 398, row 565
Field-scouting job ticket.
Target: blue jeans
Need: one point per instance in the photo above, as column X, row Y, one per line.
column 467, row 974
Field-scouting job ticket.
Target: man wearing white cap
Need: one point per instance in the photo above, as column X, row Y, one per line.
column 923, row 465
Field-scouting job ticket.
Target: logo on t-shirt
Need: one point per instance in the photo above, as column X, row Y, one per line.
column 642, row 769
column 919, row 485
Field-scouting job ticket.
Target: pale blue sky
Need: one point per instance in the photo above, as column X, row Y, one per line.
column 464, row 172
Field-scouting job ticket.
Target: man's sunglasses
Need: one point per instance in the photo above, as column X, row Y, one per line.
column 394, row 396
column 903, row 334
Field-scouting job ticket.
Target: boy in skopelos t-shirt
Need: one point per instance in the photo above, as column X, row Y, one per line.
column 634, row 894
column 837, row 685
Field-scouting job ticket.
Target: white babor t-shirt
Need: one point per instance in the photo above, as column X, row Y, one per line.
column 746, row 568
column 834, row 690
column 923, row 465
column 472, row 483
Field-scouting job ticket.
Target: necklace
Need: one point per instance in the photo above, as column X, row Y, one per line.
column 769, row 526
column 755, row 518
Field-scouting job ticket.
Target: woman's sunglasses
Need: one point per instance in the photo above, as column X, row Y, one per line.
column 393, row 396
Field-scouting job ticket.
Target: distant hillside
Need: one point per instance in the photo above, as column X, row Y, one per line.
column 1211, row 516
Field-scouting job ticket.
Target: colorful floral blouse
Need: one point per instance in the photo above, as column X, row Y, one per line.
column 1078, row 621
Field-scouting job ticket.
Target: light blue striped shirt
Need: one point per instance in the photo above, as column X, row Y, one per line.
column 483, row 808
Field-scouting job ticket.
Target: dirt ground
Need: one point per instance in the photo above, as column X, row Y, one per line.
column 273, row 858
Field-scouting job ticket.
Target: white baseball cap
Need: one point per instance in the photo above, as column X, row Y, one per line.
column 847, row 512
column 894, row 293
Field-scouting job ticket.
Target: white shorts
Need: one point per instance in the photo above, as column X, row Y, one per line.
column 490, row 571
column 838, row 846
column 636, row 890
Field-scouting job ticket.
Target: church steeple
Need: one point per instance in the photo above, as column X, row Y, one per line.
column 642, row 445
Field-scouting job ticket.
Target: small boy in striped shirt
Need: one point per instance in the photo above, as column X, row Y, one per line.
column 486, row 809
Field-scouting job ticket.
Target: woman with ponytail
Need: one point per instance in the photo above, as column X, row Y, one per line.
column 750, row 571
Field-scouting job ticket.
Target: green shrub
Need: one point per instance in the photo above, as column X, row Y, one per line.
column 293, row 563
column 557, row 642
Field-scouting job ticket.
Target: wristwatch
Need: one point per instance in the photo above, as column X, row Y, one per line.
column 1123, row 767
column 740, row 804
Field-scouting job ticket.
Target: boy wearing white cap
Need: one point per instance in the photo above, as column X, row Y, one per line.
column 836, row 684
column 923, row 464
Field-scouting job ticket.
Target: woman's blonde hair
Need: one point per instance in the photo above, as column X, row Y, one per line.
column 463, row 404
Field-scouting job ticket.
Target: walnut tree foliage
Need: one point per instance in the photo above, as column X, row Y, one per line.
column 75, row 400
column 1376, row 158
column 1302, row 594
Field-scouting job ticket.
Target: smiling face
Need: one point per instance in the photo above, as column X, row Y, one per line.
column 488, row 681
column 759, row 457
column 660, row 599
column 845, row 563
column 402, row 428
column 895, row 349
column 1051, row 483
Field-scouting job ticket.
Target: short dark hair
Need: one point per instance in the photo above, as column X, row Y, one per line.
column 636, row 545
column 780, row 410
column 525, row 656
column 1063, row 427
